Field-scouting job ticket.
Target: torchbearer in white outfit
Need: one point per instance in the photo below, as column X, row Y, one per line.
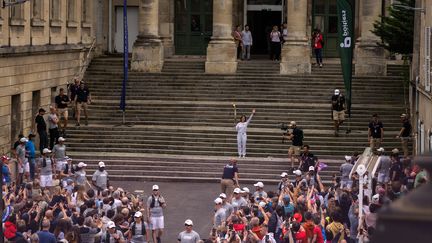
column 241, row 128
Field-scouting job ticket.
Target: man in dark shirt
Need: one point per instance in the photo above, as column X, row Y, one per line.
column 82, row 99
column 41, row 128
column 338, row 109
column 405, row 134
column 396, row 171
column 61, row 102
column 73, row 88
column 375, row 132
column 229, row 178
column 296, row 136
column 307, row 159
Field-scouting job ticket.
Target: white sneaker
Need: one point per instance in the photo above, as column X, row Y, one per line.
column 244, row 155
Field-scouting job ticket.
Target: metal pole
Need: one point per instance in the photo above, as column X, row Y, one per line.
column 110, row 26
column 360, row 202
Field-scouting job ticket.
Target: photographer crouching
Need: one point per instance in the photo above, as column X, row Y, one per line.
column 296, row 137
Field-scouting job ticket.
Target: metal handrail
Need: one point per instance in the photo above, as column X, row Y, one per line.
column 86, row 60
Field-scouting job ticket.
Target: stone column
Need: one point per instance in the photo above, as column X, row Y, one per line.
column 296, row 50
column 147, row 52
column 369, row 57
column 221, row 51
column 166, row 26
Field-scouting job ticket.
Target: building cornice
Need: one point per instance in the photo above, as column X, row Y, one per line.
column 13, row 51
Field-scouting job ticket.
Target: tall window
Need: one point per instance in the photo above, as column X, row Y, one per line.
column 71, row 11
column 17, row 12
column 55, row 10
column 37, row 9
column 86, row 11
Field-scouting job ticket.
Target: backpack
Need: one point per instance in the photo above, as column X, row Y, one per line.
column 143, row 229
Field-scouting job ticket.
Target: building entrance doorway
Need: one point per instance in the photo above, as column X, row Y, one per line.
column 261, row 23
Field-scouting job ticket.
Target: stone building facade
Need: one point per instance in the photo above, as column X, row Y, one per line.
column 43, row 42
column 42, row 46
column 421, row 90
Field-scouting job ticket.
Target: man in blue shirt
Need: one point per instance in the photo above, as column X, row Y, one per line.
column 31, row 155
column 44, row 235
column 5, row 170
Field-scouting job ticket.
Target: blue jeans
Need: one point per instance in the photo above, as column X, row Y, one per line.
column 32, row 165
column 318, row 55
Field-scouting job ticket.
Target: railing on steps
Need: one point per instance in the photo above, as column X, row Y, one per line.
column 86, row 62
column 369, row 161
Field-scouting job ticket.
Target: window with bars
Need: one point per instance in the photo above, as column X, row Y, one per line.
column 427, row 59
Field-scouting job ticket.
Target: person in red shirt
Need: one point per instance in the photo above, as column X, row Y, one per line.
column 308, row 225
column 318, row 42
column 317, row 231
column 299, row 233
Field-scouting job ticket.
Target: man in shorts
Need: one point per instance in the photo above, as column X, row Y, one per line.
column 375, row 132
column 61, row 103
column 22, row 161
column 384, row 164
column 155, row 205
column 338, row 110
column 47, row 169
column 296, row 136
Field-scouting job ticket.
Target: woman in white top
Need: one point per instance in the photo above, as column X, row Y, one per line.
column 275, row 37
column 241, row 128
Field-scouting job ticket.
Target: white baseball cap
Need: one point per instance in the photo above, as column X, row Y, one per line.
column 337, row 92
column 311, row 168
column 284, row 174
column 82, row 164
column 223, row 196
column 155, row 187
column 259, row 184
column 46, row 151
column 237, row 190
column 111, row 225
column 23, row 140
column 218, row 200
column 395, row 151
column 138, row 214
column 375, row 199
column 297, row 172
column 348, row 158
column 188, row 222
column 245, row 189
column 380, row 149
column 292, row 123
column 262, row 204
column 61, row 139
column 101, row 164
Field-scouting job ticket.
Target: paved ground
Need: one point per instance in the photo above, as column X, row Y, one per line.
column 184, row 200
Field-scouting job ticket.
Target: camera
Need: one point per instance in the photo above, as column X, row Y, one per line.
column 284, row 127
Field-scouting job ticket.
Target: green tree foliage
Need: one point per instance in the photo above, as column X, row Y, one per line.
column 397, row 29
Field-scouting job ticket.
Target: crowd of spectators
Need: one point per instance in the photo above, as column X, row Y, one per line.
column 304, row 210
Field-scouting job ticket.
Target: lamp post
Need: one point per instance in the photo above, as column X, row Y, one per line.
column 361, row 170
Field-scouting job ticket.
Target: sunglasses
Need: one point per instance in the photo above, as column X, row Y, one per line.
column 188, row 225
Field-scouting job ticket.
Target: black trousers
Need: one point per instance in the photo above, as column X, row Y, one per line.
column 43, row 140
column 54, row 135
column 275, row 50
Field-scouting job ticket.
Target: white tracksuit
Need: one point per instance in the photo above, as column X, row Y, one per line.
column 241, row 128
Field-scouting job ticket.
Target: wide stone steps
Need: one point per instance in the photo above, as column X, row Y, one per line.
column 182, row 118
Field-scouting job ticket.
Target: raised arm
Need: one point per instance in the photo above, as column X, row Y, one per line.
column 250, row 117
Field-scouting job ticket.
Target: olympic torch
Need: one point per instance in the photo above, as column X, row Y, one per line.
column 235, row 113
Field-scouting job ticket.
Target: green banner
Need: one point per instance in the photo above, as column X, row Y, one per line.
column 346, row 45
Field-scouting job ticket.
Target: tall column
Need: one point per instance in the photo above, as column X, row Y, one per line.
column 166, row 26
column 147, row 52
column 369, row 57
column 221, row 51
column 296, row 50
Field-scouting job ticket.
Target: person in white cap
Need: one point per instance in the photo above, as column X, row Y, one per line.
column 80, row 174
column 246, row 194
column 59, row 153
column 188, row 235
column 138, row 229
column 283, row 183
column 100, row 178
column 47, row 169
column 296, row 137
column 383, row 169
column 259, row 193
column 220, row 214
column 375, row 132
column 22, row 161
column 226, row 205
column 241, row 129
column 345, row 170
column 113, row 235
column 338, row 109
column 155, row 205
column 238, row 201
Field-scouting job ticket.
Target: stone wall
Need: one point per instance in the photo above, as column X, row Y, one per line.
column 42, row 46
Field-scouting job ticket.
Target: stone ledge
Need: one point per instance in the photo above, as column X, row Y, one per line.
column 72, row 24
column 56, row 23
column 86, row 24
column 17, row 22
column 37, row 50
column 37, row 22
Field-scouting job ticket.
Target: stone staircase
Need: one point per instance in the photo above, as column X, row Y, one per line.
column 181, row 122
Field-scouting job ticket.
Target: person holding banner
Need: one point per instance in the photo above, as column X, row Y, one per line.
column 241, row 128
